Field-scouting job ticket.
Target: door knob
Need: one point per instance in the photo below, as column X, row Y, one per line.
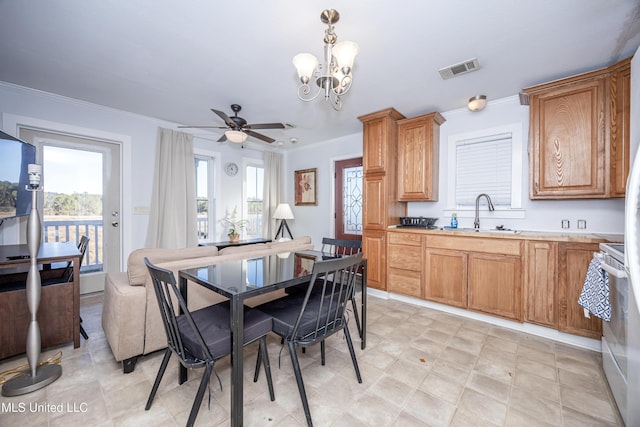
column 115, row 223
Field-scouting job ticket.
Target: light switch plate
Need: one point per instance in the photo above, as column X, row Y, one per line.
column 582, row 224
column 565, row 223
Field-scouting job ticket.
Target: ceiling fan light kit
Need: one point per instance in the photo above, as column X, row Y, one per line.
column 334, row 77
column 236, row 136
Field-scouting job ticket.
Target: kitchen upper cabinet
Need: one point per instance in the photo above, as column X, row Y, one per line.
column 541, row 303
column 373, row 202
column 380, row 204
column 418, row 157
column 620, row 103
column 568, row 140
column 380, row 141
column 573, row 263
column 578, row 134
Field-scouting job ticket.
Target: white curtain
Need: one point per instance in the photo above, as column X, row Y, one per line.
column 173, row 217
column 272, row 194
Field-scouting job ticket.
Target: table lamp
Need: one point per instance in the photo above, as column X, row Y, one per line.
column 283, row 212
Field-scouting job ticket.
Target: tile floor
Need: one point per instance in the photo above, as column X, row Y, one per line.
column 421, row 368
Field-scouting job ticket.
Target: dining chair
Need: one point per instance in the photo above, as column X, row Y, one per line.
column 201, row 337
column 345, row 247
column 304, row 319
column 66, row 274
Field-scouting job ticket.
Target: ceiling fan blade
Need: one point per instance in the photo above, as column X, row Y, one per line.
column 265, row 126
column 258, row 136
column 223, row 138
column 203, row 127
column 226, row 118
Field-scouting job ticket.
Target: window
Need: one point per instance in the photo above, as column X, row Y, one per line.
column 488, row 161
column 205, row 198
column 253, row 199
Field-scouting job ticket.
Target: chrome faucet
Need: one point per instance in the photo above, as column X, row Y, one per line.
column 476, row 222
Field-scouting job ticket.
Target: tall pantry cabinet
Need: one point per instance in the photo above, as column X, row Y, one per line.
column 381, row 207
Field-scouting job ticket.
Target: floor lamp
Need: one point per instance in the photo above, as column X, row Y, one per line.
column 38, row 377
column 283, row 212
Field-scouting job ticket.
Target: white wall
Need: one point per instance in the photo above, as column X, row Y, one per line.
column 140, row 133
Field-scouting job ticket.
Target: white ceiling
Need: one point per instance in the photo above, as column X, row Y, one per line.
column 174, row 60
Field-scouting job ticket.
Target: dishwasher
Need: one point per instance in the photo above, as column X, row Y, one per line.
column 614, row 332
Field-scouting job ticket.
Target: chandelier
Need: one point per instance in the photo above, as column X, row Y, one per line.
column 334, row 76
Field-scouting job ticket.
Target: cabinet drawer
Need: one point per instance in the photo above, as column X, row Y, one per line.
column 404, row 257
column 476, row 244
column 405, row 282
column 405, row 239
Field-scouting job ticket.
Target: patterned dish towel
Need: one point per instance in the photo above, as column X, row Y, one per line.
column 595, row 292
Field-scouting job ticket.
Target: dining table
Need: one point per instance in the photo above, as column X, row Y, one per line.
column 239, row 280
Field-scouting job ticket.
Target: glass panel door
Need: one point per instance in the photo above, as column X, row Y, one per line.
column 348, row 200
column 81, row 183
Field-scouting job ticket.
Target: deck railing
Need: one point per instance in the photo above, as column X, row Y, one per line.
column 72, row 231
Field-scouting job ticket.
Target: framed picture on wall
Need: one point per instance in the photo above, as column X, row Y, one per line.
column 303, row 264
column 306, row 189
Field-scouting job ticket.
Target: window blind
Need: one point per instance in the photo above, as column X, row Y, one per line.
column 483, row 165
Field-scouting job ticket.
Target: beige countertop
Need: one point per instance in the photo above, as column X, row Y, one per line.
column 515, row 234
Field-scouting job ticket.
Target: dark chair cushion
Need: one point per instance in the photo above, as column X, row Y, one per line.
column 285, row 311
column 214, row 325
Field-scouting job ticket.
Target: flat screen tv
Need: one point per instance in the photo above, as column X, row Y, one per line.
column 15, row 155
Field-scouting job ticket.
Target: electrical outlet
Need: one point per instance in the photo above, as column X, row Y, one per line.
column 565, row 223
column 582, row 224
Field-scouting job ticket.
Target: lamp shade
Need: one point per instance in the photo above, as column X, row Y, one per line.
column 236, row 136
column 305, row 64
column 283, row 211
column 345, row 53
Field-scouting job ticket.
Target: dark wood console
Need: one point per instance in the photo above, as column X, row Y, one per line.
column 59, row 310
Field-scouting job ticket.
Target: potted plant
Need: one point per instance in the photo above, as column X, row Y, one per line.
column 235, row 225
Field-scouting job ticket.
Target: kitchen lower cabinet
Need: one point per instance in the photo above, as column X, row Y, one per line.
column 404, row 266
column 476, row 273
column 573, row 263
column 541, row 302
column 373, row 248
column 446, row 277
column 519, row 279
column 495, row 284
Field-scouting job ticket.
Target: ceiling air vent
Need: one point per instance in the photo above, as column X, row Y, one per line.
column 457, row 69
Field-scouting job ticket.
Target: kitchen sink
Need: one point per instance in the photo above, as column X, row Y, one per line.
column 482, row 230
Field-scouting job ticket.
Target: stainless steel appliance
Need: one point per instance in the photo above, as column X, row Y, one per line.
column 632, row 250
column 614, row 332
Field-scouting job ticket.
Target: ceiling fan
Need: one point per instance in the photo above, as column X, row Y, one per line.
column 238, row 124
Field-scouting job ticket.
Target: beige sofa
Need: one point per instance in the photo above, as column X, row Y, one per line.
column 131, row 318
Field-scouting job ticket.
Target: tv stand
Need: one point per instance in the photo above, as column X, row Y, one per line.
column 59, row 310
